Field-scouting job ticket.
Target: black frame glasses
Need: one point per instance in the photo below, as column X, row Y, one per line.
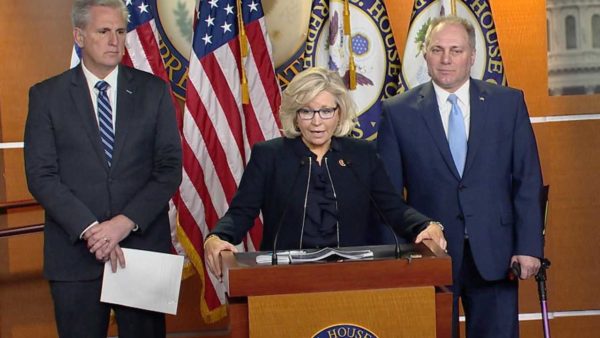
column 325, row 113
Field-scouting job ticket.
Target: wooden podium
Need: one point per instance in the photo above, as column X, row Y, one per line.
column 407, row 296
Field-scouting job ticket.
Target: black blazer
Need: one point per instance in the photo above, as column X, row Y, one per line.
column 276, row 177
column 67, row 172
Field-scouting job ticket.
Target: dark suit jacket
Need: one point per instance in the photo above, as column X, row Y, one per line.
column 498, row 197
column 276, row 178
column 69, row 176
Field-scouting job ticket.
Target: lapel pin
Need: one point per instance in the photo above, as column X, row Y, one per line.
column 128, row 91
column 342, row 163
column 481, row 98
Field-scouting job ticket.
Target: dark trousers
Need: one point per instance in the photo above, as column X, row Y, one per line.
column 79, row 313
column 491, row 307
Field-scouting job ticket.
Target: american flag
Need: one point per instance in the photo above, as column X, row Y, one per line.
column 142, row 44
column 142, row 52
column 218, row 129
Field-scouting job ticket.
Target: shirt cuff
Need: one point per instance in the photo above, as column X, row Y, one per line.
column 86, row 229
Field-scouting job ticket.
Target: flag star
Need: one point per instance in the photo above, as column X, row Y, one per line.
column 128, row 3
column 143, row 8
column 229, row 9
column 207, row 39
column 213, row 3
column 128, row 17
column 253, row 6
column 210, row 21
column 226, row 27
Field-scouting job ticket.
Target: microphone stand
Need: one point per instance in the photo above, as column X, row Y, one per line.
column 385, row 220
column 285, row 210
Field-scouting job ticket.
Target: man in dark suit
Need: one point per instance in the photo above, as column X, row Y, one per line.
column 465, row 152
column 103, row 157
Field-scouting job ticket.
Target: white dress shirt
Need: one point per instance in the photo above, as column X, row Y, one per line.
column 445, row 106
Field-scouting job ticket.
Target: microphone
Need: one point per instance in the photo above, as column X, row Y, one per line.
column 348, row 163
column 285, row 210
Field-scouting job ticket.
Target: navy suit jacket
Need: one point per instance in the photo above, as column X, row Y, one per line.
column 498, row 197
column 276, row 178
column 68, row 174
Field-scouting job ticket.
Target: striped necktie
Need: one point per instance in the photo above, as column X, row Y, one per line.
column 105, row 122
column 457, row 136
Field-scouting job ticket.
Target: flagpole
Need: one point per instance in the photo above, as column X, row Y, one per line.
column 347, row 32
column 243, row 52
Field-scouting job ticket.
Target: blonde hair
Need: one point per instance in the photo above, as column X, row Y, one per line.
column 303, row 88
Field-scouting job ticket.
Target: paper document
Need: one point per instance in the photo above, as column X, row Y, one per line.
column 303, row 256
column 150, row 281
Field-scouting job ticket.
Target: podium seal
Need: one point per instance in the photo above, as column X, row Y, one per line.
column 344, row 331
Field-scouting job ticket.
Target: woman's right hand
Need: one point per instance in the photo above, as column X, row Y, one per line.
column 212, row 251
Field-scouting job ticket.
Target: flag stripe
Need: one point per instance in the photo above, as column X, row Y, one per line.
column 134, row 55
column 195, row 154
column 222, row 76
column 262, row 68
column 194, row 202
column 219, row 130
column 219, row 152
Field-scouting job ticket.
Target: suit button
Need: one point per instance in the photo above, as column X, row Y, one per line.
column 461, row 217
column 461, row 186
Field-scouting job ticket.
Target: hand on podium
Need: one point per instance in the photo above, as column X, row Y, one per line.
column 435, row 232
column 213, row 246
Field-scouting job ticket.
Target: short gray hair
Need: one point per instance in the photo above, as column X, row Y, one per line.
column 450, row 20
column 80, row 13
column 304, row 87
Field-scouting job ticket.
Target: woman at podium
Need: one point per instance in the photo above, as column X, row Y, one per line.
column 315, row 186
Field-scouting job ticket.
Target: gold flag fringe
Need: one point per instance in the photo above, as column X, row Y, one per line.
column 348, row 33
column 243, row 52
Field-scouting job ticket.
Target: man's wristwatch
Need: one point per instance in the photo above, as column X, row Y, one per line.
column 436, row 223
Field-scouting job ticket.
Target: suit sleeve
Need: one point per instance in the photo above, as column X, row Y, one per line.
column 389, row 149
column 405, row 220
column 42, row 170
column 149, row 201
column 527, row 186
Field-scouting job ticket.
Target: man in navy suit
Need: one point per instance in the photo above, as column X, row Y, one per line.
column 103, row 157
column 479, row 174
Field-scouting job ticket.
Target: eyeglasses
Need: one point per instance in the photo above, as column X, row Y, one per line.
column 325, row 113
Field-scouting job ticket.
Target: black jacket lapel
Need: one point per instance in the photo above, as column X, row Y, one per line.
column 125, row 110
column 478, row 124
column 431, row 115
column 80, row 95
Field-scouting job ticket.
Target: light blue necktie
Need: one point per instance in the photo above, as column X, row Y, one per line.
column 107, row 134
column 457, row 137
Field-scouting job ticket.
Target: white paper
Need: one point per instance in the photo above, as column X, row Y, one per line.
column 303, row 256
column 150, row 281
